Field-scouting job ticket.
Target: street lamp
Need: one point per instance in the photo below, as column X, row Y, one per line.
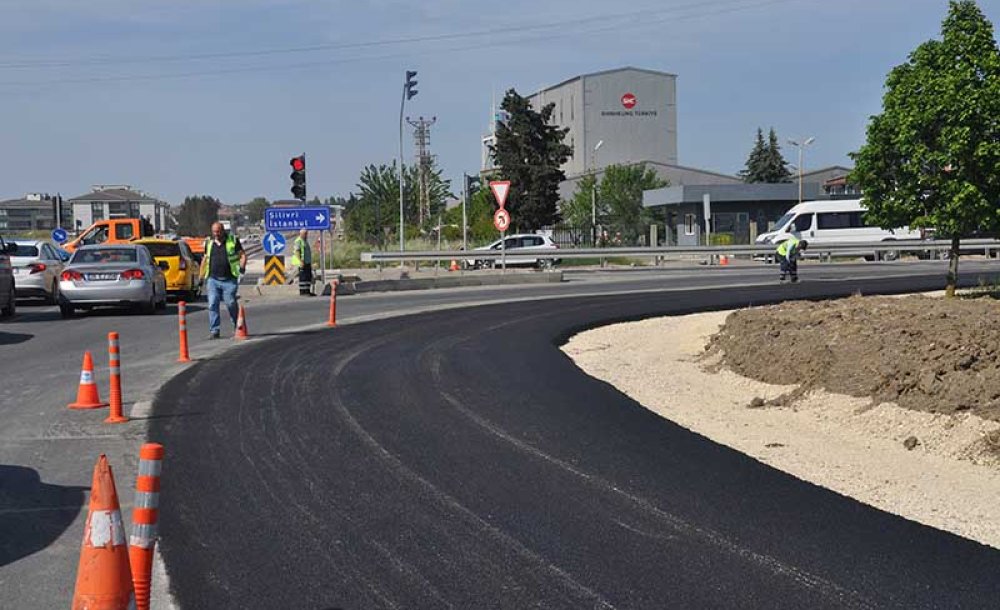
column 801, row 148
column 593, row 195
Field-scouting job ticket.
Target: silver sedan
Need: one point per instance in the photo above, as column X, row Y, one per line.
column 112, row 275
column 37, row 266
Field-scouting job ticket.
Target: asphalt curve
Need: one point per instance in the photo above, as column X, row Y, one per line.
column 457, row 459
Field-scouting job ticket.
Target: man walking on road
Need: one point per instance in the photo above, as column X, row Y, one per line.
column 789, row 252
column 302, row 258
column 224, row 263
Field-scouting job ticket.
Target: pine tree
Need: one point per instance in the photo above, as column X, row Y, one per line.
column 754, row 170
column 775, row 168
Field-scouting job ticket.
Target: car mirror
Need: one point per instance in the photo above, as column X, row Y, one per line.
column 11, row 248
column 163, row 265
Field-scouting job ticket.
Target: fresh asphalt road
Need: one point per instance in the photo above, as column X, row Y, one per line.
column 47, row 452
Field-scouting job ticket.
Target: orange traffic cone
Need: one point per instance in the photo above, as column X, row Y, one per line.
column 453, row 266
column 241, row 325
column 86, row 395
column 103, row 579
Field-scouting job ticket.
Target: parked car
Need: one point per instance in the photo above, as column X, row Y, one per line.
column 112, row 275
column 182, row 271
column 37, row 267
column 526, row 249
column 8, row 291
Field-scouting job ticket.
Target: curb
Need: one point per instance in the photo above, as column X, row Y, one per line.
column 348, row 284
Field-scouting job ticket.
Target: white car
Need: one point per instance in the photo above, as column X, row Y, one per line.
column 525, row 249
column 37, row 266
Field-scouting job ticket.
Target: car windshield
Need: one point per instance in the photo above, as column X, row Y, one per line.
column 162, row 249
column 25, row 250
column 783, row 221
column 105, row 255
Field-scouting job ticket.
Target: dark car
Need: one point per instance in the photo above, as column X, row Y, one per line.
column 8, row 296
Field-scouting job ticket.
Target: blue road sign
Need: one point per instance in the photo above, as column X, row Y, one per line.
column 290, row 219
column 59, row 235
column 274, row 243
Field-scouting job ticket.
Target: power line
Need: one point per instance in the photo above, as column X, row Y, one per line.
column 109, row 60
column 633, row 21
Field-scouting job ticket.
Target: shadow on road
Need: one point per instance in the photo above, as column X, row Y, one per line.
column 13, row 338
column 33, row 514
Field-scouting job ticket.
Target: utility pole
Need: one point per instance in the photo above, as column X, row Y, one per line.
column 422, row 138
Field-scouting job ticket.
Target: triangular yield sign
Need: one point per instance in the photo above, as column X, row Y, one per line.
column 500, row 189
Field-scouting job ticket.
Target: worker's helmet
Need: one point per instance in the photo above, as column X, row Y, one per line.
column 803, row 245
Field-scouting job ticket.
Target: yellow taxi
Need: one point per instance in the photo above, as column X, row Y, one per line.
column 182, row 272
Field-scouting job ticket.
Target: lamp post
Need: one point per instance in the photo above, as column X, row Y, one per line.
column 801, row 148
column 593, row 195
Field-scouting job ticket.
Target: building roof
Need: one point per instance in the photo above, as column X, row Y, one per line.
column 115, row 193
column 720, row 193
column 602, row 72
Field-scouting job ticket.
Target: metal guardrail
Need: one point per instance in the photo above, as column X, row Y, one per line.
column 877, row 249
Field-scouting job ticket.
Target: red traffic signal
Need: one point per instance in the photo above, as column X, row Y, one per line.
column 298, row 163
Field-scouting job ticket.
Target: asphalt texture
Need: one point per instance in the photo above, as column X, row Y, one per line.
column 457, row 459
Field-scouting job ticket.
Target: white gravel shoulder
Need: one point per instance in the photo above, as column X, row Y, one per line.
column 949, row 481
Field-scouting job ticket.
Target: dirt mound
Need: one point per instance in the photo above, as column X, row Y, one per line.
column 928, row 354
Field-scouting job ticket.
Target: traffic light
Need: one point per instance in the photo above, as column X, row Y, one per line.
column 472, row 184
column 410, row 86
column 298, row 177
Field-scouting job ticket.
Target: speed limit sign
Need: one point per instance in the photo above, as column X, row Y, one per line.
column 501, row 220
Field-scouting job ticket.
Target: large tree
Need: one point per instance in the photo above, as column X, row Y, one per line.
column 529, row 152
column 932, row 158
column 620, row 199
column 375, row 214
column 255, row 209
column 765, row 162
column 196, row 215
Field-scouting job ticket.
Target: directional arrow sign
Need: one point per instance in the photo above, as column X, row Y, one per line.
column 274, row 243
column 500, row 189
column 288, row 219
column 59, row 235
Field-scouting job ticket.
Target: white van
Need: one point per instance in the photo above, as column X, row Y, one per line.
column 831, row 222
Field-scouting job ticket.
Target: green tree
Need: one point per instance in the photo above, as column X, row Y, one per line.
column 578, row 212
column 620, row 199
column 932, row 158
column 754, row 170
column 374, row 216
column 196, row 215
column 255, row 209
column 529, row 152
column 775, row 168
column 765, row 162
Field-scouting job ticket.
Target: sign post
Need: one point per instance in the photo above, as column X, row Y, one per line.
column 501, row 219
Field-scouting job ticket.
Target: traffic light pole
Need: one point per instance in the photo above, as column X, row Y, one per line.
column 401, row 228
column 465, row 220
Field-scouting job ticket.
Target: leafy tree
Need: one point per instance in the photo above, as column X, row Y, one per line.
column 255, row 209
column 932, row 158
column 529, row 152
column 374, row 215
column 754, row 170
column 196, row 215
column 775, row 168
column 766, row 163
column 620, row 198
column 578, row 212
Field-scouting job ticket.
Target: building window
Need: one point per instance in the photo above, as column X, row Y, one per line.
column 96, row 212
column 690, row 223
column 118, row 209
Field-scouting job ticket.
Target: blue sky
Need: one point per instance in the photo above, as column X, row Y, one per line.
column 182, row 97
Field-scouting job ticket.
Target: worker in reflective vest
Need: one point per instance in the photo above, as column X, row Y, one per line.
column 224, row 263
column 789, row 252
column 302, row 258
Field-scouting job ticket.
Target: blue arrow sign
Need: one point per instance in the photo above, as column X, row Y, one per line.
column 59, row 235
column 274, row 243
column 289, row 219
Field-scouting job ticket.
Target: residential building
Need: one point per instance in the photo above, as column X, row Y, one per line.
column 33, row 212
column 106, row 201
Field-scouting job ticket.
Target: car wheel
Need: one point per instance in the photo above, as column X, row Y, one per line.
column 65, row 310
column 162, row 305
column 11, row 308
column 53, row 297
column 149, row 307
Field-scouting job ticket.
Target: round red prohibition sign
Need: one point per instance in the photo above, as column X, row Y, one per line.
column 501, row 220
column 629, row 101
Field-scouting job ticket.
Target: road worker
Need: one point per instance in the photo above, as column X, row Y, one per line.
column 789, row 252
